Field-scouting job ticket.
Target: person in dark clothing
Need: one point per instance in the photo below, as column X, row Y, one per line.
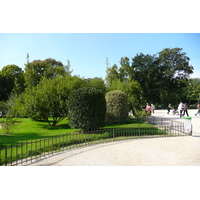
column 169, row 107
column 185, row 110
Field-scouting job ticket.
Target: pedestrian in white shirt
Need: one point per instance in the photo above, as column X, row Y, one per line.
column 181, row 108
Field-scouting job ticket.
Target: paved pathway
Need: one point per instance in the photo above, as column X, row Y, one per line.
column 162, row 114
column 165, row 151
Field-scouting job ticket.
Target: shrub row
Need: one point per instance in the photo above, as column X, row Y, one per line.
column 89, row 108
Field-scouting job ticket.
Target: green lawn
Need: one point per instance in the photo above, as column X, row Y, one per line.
column 31, row 137
column 27, row 129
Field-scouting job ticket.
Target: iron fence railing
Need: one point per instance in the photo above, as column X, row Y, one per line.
column 27, row 152
column 174, row 123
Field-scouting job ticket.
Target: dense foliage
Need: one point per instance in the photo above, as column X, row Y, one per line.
column 47, row 101
column 87, row 108
column 162, row 77
column 117, row 107
column 11, row 81
column 133, row 91
column 38, row 90
column 49, row 68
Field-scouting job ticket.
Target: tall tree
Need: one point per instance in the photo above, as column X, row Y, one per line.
column 132, row 89
column 47, row 101
column 176, row 69
column 192, row 90
column 121, row 73
column 112, row 74
column 96, row 83
column 12, row 78
column 4, row 93
column 125, row 70
column 49, row 68
column 162, row 76
column 145, row 70
column 176, row 63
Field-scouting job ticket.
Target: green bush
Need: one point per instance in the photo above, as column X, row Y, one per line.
column 3, row 107
column 117, row 107
column 8, row 124
column 47, row 101
column 87, row 108
column 141, row 114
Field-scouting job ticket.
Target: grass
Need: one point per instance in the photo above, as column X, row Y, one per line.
column 30, row 133
column 27, row 129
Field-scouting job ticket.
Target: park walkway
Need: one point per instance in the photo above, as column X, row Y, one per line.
column 164, row 151
column 162, row 114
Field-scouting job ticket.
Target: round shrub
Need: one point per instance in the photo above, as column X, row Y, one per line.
column 87, row 108
column 117, row 107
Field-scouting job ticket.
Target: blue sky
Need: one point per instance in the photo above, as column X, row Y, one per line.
column 87, row 52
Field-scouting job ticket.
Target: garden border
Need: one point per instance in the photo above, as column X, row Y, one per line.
column 28, row 152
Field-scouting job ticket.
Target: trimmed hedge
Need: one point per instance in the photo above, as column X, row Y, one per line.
column 87, row 108
column 117, row 107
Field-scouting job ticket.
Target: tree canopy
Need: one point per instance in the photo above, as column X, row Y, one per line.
column 48, row 101
column 49, row 68
column 161, row 76
column 11, row 80
column 159, row 79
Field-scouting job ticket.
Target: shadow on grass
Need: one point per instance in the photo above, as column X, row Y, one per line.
column 64, row 129
column 12, row 140
column 57, row 127
column 8, row 140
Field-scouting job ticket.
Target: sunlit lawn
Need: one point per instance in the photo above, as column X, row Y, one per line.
column 27, row 129
column 27, row 134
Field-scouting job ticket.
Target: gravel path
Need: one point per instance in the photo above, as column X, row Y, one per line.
column 165, row 151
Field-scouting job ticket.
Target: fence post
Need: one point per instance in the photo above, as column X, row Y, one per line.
column 139, row 128
column 52, row 145
column 26, row 150
column 0, row 155
column 6, row 156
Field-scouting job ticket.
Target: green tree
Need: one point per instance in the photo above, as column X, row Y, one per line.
column 161, row 76
column 125, row 70
column 4, row 92
column 48, row 101
column 121, row 73
column 49, row 68
column 112, row 74
column 175, row 63
column 133, row 91
column 96, row 83
column 145, row 70
column 196, row 86
column 192, row 90
column 12, row 80
column 176, row 69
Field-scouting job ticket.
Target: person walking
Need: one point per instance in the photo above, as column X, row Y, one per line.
column 185, row 110
column 152, row 108
column 198, row 109
column 169, row 107
column 181, row 108
column 148, row 108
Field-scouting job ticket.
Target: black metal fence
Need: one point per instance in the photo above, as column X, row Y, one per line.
column 173, row 123
column 27, row 152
